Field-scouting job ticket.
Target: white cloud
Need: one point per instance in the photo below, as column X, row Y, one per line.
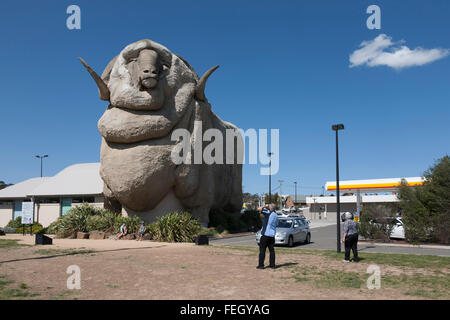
column 382, row 51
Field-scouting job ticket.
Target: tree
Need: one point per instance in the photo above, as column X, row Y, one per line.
column 426, row 209
column 252, row 200
column 4, row 185
column 377, row 221
column 274, row 199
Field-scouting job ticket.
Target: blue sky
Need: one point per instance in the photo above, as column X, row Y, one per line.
column 284, row 64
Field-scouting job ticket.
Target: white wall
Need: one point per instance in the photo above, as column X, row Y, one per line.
column 47, row 213
column 6, row 214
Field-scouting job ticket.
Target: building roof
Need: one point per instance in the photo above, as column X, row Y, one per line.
column 78, row 179
column 381, row 185
column 300, row 197
column 21, row 189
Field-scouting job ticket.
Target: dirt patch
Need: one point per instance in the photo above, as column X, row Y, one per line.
column 152, row 270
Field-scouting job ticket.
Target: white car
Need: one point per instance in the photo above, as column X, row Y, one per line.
column 282, row 214
column 398, row 232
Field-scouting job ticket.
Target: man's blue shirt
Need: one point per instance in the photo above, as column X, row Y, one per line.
column 269, row 223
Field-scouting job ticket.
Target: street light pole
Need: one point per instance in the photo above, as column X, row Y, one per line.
column 281, row 194
column 337, row 127
column 270, row 176
column 295, row 183
column 42, row 157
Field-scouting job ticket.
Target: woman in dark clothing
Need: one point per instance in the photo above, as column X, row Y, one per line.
column 350, row 238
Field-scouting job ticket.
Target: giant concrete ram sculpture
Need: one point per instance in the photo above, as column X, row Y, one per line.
column 152, row 92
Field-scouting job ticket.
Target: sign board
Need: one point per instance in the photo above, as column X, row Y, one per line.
column 27, row 212
column 356, row 218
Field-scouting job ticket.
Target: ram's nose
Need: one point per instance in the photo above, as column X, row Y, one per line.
column 149, row 82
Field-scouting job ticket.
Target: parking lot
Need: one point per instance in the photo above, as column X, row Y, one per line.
column 323, row 237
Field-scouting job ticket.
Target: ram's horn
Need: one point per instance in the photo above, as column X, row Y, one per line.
column 200, row 90
column 102, row 87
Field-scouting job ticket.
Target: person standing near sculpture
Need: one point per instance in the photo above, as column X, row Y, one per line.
column 268, row 231
column 350, row 238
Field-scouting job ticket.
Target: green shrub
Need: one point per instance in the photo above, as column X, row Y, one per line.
column 252, row 220
column 377, row 222
column 235, row 222
column 15, row 223
column 83, row 218
column 37, row 228
column 133, row 223
column 175, row 227
column 97, row 222
column 223, row 220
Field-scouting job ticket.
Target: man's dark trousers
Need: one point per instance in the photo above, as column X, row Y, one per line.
column 265, row 242
column 351, row 243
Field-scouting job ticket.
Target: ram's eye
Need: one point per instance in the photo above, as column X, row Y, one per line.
column 133, row 60
column 165, row 67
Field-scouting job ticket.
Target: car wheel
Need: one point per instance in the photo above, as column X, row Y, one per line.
column 291, row 241
column 308, row 238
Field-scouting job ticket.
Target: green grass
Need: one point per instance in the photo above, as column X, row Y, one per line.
column 393, row 259
column 339, row 279
column 435, row 285
column 427, row 286
column 400, row 260
column 65, row 294
column 62, row 252
column 9, row 292
column 11, row 243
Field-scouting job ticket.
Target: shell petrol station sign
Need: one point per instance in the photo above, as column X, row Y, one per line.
column 372, row 185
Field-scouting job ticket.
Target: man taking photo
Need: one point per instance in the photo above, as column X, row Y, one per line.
column 267, row 235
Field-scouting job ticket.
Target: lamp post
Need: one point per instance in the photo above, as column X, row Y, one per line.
column 295, row 183
column 281, row 194
column 336, row 128
column 270, row 176
column 42, row 157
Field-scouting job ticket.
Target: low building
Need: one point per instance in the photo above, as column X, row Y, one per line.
column 356, row 194
column 53, row 196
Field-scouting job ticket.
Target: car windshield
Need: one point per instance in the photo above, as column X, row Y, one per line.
column 284, row 223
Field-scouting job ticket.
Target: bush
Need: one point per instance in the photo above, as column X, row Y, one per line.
column 82, row 218
column 86, row 218
column 133, row 223
column 377, row 222
column 252, row 220
column 235, row 222
column 37, row 228
column 97, row 222
column 15, row 223
column 175, row 227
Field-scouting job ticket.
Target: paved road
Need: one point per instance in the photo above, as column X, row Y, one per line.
column 324, row 238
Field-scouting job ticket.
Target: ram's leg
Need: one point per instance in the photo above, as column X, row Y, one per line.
column 202, row 215
column 110, row 202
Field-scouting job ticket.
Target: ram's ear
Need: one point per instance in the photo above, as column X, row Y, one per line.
column 107, row 72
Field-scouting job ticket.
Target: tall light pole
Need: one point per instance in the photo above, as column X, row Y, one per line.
column 281, row 194
column 295, row 183
column 337, row 127
column 270, row 176
column 42, row 157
